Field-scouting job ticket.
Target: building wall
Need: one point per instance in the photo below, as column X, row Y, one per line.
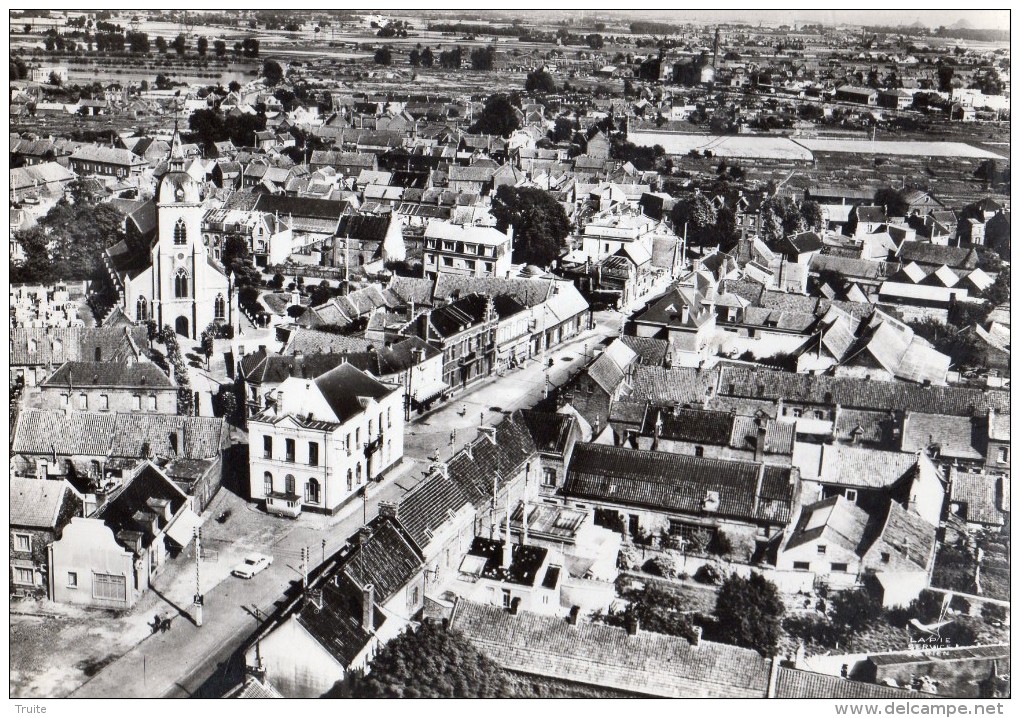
column 295, row 663
column 87, row 548
column 338, row 468
column 121, row 399
column 32, row 576
column 817, row 563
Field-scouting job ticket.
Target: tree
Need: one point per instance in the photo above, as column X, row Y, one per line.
column 220, row 48
column 595, row 41
column 202, row 46
column 161, row 46
column 138, row 42
column 855, row 610
column 383, row 56
column 427, row 57
column 654, row 609
column 272, row 72
column 540, row 225
column 414, row 57
column 539, row 82
column 749, row 612
column 55, row 79
column 432, row 662
column 498, row 117
column 180, row 44
column 250, row 46
column 482, row 58
column 563, row 129
column 945, row 75
column 811, row 212
column 894, row 201
column 781, row 217
column 696, row 215
column 234, row 86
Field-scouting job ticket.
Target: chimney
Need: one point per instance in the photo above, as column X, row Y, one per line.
column 489, row 432
column 364, row 534
column 508, row 549
column 572, row 616
column 759, row 444
column 633, row 625
column 685, row 314
column 367, row 605
column 388, row 509
column 298, row 367
column 696, row 638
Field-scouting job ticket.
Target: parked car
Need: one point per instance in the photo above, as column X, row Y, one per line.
column 253, row 564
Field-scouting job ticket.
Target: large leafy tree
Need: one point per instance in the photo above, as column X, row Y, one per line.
column 655, row 610
column 894, row 201
column 272, row 72
column 539, row 222
column 749, row 613
column 781, row 217
column 499, row 116
column 432, row 662
column 811, row 212
column 697, row 216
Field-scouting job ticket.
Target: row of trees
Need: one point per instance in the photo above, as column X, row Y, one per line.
column 138, row 43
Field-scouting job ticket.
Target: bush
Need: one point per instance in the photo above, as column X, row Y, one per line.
column 277, row 281
column 994, row 612
column 812, row 628
column 708, row 573
column 721, row 544
column 855, row 610
column 663, row 565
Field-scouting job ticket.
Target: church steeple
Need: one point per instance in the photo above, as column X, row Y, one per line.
column 176, row 160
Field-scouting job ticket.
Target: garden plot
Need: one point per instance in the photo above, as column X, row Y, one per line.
column 897, row 147
column 737, row 146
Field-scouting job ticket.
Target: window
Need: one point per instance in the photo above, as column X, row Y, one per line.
column 851, row 494
column 83, row 402
column 142, row 309
column 488, row 267
column 797, row 413
column 136, row 402
column 313, row 453
column 840, row 567
column 219, row 308
column 24, row 576
column 1003, row 455
column 65, row 399
column 180, row 232
column 347, row 444
column 371, row 426
column 885, row 557
column 72, row 579
column 111, row 588
column 267, row 447
column 23, row 542
column 104, row 402
column 152, row 402
column 43, row 470
column 312, row 491
column 389, row 418
column 357, row 436
column 819, row 414
column 506, row 598
column 549, row 478
column 290, row 486
column 267, row 483
column 181, row 284
column 447, row 262
column 350, row 480
column 414, row 595
column 821, row 549
column 380, row 423
column 357, row 474
column 699, row 451
column 289, row 450
column 801, row 566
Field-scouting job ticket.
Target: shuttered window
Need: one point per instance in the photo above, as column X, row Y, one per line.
column 110, row 588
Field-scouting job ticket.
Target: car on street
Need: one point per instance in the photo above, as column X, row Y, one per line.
column 253, row 564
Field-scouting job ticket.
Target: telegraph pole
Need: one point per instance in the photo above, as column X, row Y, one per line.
column 324, row 550
column 199, row 600
column 304, row 568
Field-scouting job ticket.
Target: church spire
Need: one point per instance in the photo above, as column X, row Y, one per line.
column 176, row 160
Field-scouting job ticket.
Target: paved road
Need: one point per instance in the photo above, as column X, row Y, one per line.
column 179, row 662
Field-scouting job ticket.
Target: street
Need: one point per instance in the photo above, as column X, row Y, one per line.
column 179, row 662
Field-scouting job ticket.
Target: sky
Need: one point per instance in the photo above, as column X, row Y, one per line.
column 991, row 19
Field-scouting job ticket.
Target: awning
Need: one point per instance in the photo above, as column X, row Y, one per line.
column 425, row 390
column 182, row 530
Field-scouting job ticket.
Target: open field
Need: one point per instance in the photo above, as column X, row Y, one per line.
column 893, row 147
column 736, row 146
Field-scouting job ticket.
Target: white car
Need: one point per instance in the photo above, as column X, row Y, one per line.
column 253, row 563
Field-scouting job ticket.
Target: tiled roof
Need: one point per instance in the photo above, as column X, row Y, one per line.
column 650, row 351
column 47, row 431
column 336, row 625
column 937, row 255
column 313, row 341
column 958, row 437
column 672, row 482
column 549, row 431
column 858, row 466
column 985, row 497
column 35, row 503
column 700, row 426
column 648, row 663
column 772, row 385
column 130, row 508
column 685, row 385
column 906, row 536
column 835, row 520
column 85, row 374
column 792, row 683
column 386, row 559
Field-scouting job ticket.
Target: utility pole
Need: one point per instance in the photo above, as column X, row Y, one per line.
column 324, row 550
column 304, row 568
column 199, row 600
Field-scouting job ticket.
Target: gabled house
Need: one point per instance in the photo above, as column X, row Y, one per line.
column 39, row 511
column 108, row 560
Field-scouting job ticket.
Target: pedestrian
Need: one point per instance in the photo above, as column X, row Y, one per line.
column 166, row 625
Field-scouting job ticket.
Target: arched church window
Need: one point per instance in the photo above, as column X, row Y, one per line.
column 180, row 233
column 181, row 284
column 142, row 309
column 219, row 308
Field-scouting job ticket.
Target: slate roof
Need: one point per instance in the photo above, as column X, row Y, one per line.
column 652, row 664
column 772, row 385
column 386, row 559
column 700, row 426
column 834, row 520
column 345, row 386
column 36, row 503
column 130, row 510
column 336, row 626
column 937, row 255
column 906, row 535
column 685, row 385
column 117, row 375
column 675, row 483
column 549, row 431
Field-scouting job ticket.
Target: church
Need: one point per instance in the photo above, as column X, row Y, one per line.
column 176, row 283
